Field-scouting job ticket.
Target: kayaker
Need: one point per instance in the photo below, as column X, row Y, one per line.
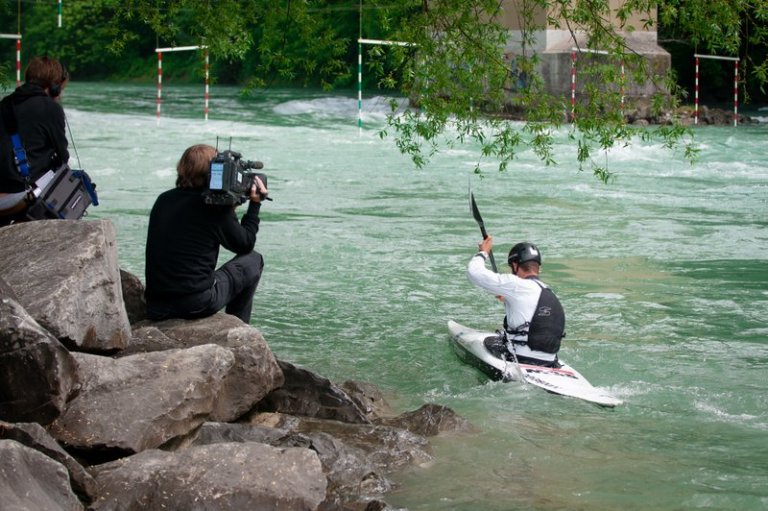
column 183, row 241
column 34, row 113
column 535, row 321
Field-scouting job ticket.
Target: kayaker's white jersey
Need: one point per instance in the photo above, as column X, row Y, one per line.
column 520, row 299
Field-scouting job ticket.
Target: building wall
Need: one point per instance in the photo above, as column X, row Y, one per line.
column 555, row 45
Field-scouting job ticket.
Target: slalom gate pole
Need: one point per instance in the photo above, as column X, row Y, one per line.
column 696, row 94
column 160, row 52
column 621, row 87
column 735, row 61
column 573, row 85
column 360, row 42
column 18, row 61
column 17, row 37
column 574, row 50
column 735, row 93
column 207, row 86
column 159, row 82
column 359, row 88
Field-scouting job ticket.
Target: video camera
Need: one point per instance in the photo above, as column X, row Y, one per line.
column 231, row 179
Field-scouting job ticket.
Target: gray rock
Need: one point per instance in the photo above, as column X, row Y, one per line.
column 37, row 373
column 133, row 296
column 254, row 374
column 368, row 398
column 308, row 394
column 386, row 447
column 6, row 291
column 65, row 275
column 34, row 436
column 430, row 420
column 31, row 481
column 139, row 402
column 347, row 468
column 221, row 477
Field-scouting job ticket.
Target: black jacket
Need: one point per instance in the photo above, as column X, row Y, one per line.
column 42, row 129
column 183, row 240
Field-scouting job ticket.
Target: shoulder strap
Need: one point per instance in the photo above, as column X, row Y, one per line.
column 11, row 127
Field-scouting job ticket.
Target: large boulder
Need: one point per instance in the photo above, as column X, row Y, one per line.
column 37, row 373
column 34, row 436
column 369, row 398
column 30, row 480
column 133, row 296
column 386, row 447
column 139, row 402
column 224, row 477
column 308, row 394
column 254, row 374
column 66, row 276
column 430, row 420
column 347, row 468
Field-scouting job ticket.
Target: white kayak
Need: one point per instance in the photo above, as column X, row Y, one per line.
column 564, row 380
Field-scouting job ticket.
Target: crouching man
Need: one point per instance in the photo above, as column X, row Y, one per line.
column 183, row 241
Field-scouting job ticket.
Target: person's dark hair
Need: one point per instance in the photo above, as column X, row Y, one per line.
column 46, row 72
column 194, row 166
column 529, row 267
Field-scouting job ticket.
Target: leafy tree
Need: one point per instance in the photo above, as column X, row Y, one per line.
column 454, row 69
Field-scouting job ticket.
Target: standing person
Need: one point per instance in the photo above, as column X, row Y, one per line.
column 535, row 321
column 183, row 241
column 33, row 111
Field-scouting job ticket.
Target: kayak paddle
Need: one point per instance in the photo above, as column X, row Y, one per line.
column 479, row 220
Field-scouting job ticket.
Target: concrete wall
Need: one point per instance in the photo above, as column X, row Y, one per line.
column 554, row 46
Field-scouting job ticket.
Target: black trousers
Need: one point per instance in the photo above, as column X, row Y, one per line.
column 233, row 288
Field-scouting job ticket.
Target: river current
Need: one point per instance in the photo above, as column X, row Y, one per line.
column 662, row 273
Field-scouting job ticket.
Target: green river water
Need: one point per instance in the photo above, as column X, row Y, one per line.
column 662, row 273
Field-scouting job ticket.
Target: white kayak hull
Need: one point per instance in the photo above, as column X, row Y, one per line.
column 565, row 380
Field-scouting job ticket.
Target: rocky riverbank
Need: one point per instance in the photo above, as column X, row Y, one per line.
column 101, row 409
column 641, row 114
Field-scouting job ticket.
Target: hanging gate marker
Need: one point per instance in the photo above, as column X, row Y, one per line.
column 735, row 61
column 360, row 42
column 18, row 54
column 574, row 51
column 160, row 52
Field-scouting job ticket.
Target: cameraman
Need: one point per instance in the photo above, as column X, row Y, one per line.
column 33, row 111
column 183, row 241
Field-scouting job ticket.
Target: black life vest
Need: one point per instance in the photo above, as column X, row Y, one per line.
column 546, row 328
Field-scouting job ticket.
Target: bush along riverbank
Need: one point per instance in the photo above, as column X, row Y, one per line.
column 101, row 409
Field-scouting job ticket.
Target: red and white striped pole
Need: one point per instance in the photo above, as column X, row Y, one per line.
column 573, row 86
column 736, row 93
column 17, row 37
column 159, row 52
column 622, row 91
column 18, row 61
column 159, row 82
column 207, row 90
column 696, row 94
column 735, row 86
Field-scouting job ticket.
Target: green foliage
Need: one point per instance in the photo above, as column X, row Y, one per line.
column 458, row 71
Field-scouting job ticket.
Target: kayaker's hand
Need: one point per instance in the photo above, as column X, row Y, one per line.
column 486, row 245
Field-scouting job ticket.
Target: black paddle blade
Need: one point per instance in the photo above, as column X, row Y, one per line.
column 476, row 214
column 479, row 220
